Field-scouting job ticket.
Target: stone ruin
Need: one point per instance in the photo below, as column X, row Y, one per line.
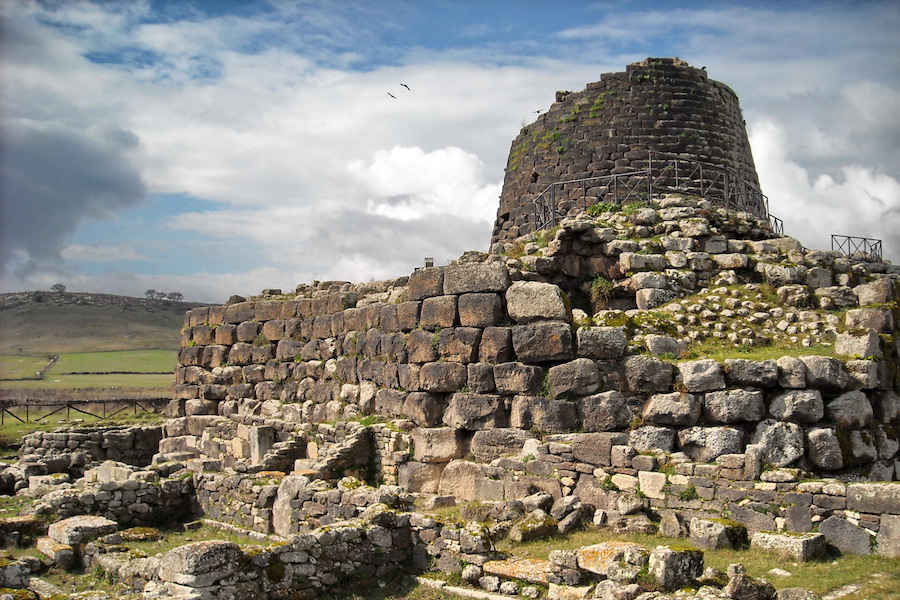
column 558, row 382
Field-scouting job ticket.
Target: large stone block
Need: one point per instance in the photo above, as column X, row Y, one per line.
column 425, row 409
column 604, row 412
column 800, row 406
column 467, row 481
column 824, row 372
column 474, row 278
column 475, row 411
column 676, row 408
column 496, row 345
column 879, row 319
column 845, row 536
column 578, row 377
column 802, row 547
column 542, row 342
column 438, row 312
column 781, row 443
column 543, row 414
column 650, row 438
column 648, row 374
column 420, row 477
column 600, row 558
column 517, row 378
column 200, row 564
column 595, row 448
column 824, row 449
column 706, row 444
column 422, row 346
column 479, row 310
column 888, row 538
column 715, row 534
column 753, row 373
column 734, row 406
column 442, row 377
column 791, row 372
column 489, row 444
column 437, row 445
column 673, row 569
column 426, row 283
column 602, row 342
column 862, row 345
column 459, row 344
column 703, row 375
column 529, row 301
column 80, row 529
column 877, row 498
column 851, row 410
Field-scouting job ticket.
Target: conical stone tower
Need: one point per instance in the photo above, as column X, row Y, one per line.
column 659, row 105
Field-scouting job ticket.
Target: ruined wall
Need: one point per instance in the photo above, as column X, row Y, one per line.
column 659, row 104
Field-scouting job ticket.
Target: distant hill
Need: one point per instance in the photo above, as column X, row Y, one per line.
column 52, row 322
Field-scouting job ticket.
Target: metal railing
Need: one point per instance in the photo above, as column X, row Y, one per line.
column 857, row 247
column 663, row 173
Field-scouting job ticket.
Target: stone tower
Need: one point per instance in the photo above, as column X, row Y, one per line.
column 659, row 105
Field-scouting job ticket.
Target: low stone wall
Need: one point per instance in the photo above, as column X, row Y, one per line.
column 68, row 448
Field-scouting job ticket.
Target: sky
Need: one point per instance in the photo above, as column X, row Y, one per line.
column 219, row 147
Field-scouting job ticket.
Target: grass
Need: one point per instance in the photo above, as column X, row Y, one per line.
column 173, row 538
column 127, row 361
column 153, row 381
column 21, row 366
column 12, row 430
column 12, row 506
column 720, row 350
column 817, row 576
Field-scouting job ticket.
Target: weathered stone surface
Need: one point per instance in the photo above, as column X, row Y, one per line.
column 420, row 477
column 599, row 558
column 879, row 319
column 537, row 525
column 874, row 498
column 703, row 375
column 595, row 448
column 543, row 414
column 861, row 345
column 442, row 376
column 529, row 301
column 479, row 310
column 474, row 411
column 705, row 444
column 824, row 449
column 531, row 570
column 888, row 537
column 496, row 345
column 733, row 406
column 741, row 586
column 496, row 443
column 542, row 341
column 677, row 408
column 652, row 484
column 437, row 444
column 802, row 547
column 604, row 412
column 845, row 536
column 800, row 406
column 714, row 534
column 200, row 564
column 791, row 372
column 466, row 480
column 879, row 291
column 475, row 278
column 459, row 344
column 794, row 295
column 517, row 378
column 426, row 283
column 754, row 373
column 577, row 377
column 648, row 374
column 824, row 372
column 650, row 298
column 851, row 410
column 674, row 569
column 663, row 344
column 62, row 555
column 438, row 312
column 80, row 529
column 653, row 438
column 782, row 442
column 602, row 343
column 425, row 409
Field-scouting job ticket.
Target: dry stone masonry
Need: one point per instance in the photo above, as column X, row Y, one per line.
column 670, row 366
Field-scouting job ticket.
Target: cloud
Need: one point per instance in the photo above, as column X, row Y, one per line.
column 101, row 254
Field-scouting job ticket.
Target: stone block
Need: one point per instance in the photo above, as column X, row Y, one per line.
column 652, row 484
column 650, row 438
column 479, row 310
column 200, row 564
column 517, row 378
column 860, row 345
column 80, row 529
column 753, row 373
column 496, row 345
column 603, row 343
column 648, row 374
column 703, row 375
column 791, row 372
column 544, row 414
column 62, row 555
column 658, row 345
column 676, row 408
column 802, row 547
column 425, row 409
column 716, row 534
column 459, row 344
column 824, row 372
column 705, row 444
column 437, row 445
column 603, row 412
column 422, row 346
column 438, row 312
column 442, row 377
column 800, row 406
column 466, row 480
column 845, row 536
column 877, row 498
column 599, row 558
column 851, row 410
column 888, row 538
column 474, row 411
column 879, row 291
column 578, row 377
column 879, row 319
column 734, row 406
column 530, row 301
column 674, row 569
column 426, row 283
column 490, row 444
column 542, row 342
column 417, row 477
column 595, row 448
column 824, row 449
column 468, row 278
column 781, row 442
column 481, row 378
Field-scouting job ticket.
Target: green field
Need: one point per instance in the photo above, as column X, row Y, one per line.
column 154, row 381
column 21, row 366
column 128, row 361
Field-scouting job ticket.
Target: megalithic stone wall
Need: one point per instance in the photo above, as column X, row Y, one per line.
column 660, row 104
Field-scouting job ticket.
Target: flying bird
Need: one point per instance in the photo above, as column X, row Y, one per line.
column 406, row 86
column 392, row 96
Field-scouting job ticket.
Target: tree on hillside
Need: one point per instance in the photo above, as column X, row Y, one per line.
column 58, row 288
column 175, row 296
column 150, row 294
column 160, row 296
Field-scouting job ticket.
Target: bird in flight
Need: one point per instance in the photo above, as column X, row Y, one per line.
column 406, row 86
column 392, row 96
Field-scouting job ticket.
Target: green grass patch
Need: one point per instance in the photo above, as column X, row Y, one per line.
column 12, row 506
column 127, row 361
column 21, row 366
column 150, row 381
column 720, row 350
column 173, row 538
column 878, row 576
column 12, row 430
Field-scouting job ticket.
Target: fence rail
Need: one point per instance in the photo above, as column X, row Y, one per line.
column 662, row 173
column 857, row 247
column 35, row 411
